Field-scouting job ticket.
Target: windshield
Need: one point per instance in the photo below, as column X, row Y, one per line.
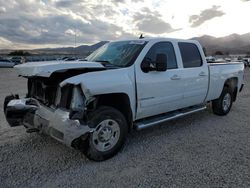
column 120, row 54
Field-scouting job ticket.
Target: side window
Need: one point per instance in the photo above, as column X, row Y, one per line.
column 163, row 48
column 190, row 54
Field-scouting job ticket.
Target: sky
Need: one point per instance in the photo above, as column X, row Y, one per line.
column 28, row 24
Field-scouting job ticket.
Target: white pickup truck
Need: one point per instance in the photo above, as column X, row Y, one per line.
column 134, row 84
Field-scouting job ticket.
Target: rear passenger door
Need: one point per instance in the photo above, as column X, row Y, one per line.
column 195, row 74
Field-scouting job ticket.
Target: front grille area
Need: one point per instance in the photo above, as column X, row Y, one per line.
column 43, row 90
column 48, row 92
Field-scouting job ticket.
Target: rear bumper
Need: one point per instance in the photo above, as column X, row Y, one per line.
column 54, row 122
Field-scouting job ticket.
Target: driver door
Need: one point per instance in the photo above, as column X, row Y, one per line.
column 159, row 92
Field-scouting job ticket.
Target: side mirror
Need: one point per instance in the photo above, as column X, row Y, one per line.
column 161, row 62
column 146, row 65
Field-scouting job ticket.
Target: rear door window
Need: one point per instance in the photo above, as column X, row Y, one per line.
column 190, row 54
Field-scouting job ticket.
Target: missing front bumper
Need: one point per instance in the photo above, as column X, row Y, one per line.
column 54, row 122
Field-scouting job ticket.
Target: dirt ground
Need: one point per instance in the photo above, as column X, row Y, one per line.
column 200, row 150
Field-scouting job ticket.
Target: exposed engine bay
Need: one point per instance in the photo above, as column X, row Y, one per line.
column 47, row 90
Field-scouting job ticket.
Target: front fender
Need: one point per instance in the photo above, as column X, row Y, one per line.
column 107, row 82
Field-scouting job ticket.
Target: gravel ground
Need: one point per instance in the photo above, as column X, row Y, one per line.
column 201, row 150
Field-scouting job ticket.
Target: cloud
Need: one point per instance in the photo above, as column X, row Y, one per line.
column 245, row 0
column 205, row 15
column 136, row 1
column 55, row 30
column 2, row 10
column 5, row 43
column 150, row 22
column 67, row 3
column 117, row 1
column 57, row 23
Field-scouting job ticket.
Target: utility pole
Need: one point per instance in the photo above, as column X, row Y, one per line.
column 75, row 40
column 75, row 36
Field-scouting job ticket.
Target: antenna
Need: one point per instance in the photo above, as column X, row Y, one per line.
column 75, row 41
column 75, row 36
column 141, row 36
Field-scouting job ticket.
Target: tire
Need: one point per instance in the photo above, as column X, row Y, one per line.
column 223, row 104
column 109, row 136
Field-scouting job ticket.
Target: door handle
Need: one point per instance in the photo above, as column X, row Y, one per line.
column 175, row 77
column 202, row 74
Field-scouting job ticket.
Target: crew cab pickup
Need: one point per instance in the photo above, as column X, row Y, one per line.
column 132, row 84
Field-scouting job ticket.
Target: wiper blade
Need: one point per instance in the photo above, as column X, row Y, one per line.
column 107, row 64
column 103, row 61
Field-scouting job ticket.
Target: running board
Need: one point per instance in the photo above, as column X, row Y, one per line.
column 150, row 122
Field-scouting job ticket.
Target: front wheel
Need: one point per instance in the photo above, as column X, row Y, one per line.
column 109, row 135
column 223, row 104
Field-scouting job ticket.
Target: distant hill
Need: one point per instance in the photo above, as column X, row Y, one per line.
column 80, row 50
column 232, row 44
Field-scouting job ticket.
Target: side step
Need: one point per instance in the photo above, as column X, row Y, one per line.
column 149, row 122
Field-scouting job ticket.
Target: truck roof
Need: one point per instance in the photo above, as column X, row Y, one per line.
column 157, row 39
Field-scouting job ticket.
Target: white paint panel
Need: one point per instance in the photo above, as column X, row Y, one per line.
column 219, row 73
column 45, row 69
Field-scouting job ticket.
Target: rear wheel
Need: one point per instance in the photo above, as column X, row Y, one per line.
column 223, row 104
column 109, row 135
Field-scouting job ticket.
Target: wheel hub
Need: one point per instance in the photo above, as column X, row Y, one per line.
column 106, row 135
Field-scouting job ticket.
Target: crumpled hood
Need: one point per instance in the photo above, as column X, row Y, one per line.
column 46, row 68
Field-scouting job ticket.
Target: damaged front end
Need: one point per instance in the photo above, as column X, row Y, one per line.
column 15, row 109
column 50, row 109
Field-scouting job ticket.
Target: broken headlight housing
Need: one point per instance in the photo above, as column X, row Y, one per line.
column 78, row 99
column 71, row 97
column 77, row 105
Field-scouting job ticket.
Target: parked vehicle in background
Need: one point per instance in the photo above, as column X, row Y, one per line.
column 246, row 62
column 210, row 59
column 18, row 60
column 124, row 85
column 5, row 63
column 71, row 59
column 67, row 59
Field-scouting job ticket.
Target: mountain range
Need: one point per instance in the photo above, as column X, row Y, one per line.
column 232, row 44
column 80, row 50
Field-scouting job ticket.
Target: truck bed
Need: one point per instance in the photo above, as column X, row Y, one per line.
column 223, row 63
column 219, row 73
